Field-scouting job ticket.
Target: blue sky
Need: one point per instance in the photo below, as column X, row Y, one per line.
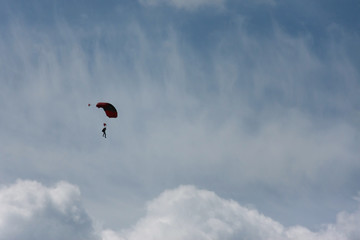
column 231, row 113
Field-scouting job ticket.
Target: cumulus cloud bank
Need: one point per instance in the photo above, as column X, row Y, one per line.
column 191, row 213
column 30, row 210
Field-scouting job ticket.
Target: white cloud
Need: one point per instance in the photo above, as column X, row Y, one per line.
column 195, row 4
column 186, row 4
column 31, row 211
column 190, row 213
column 217, row 138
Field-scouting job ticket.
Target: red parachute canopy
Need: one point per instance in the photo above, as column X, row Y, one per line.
column 109, row 109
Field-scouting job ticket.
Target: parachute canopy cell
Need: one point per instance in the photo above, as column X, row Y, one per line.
column 109, row 109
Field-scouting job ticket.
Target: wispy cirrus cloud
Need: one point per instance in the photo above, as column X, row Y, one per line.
column 261, row 117
column 186, row 4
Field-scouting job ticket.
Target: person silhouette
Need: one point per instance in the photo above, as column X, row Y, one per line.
column 104, row 132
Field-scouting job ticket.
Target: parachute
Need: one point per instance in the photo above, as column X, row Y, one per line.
column 109, row 109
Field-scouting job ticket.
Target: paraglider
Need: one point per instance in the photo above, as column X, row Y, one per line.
column 109, row 110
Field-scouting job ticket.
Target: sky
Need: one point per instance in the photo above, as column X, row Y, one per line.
column 237, row 119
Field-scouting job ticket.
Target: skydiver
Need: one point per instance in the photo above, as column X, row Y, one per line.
column 104, row 132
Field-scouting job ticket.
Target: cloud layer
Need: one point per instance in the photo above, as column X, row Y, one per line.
column 253, row 112
column 231, row 101
column 189, row 213
column 186, row 4
column 30, row 210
